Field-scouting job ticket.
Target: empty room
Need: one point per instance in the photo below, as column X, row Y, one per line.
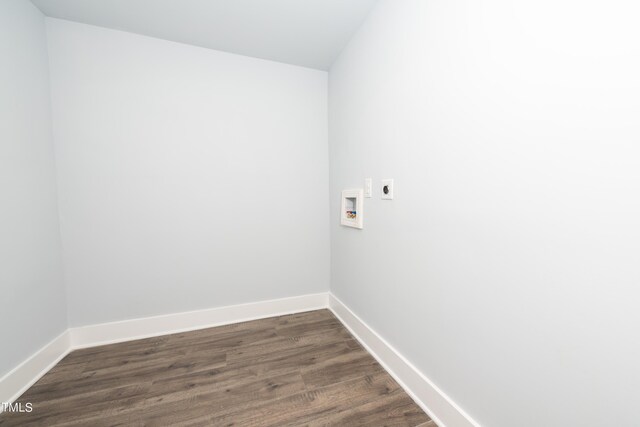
column 420, row 213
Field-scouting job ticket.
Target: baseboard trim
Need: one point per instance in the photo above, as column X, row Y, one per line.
column 128, row 330
column 444, row 411
column 23, row 376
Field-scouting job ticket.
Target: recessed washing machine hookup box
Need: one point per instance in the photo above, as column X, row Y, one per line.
column 352, row 213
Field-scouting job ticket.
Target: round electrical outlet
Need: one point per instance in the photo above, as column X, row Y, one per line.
column 387, row 189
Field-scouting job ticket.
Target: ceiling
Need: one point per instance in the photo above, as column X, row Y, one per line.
column 310, row 33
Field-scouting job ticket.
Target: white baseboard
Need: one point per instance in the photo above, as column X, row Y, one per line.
column 426, row 394
column 23, row 376
column 127, row 330
column 18, row 380
column 444, row 411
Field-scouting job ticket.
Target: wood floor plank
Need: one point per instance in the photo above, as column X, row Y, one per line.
column 310, row 404
column 300, row 369
column 396, row 409
column 331, row 370
column 189, row 407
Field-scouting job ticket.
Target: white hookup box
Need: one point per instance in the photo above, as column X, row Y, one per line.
column 352, row 212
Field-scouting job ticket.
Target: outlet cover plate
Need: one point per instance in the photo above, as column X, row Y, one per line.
column 386, row 189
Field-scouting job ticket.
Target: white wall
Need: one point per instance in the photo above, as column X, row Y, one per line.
column 189, row 178
column 32, row 299
column 507, row 267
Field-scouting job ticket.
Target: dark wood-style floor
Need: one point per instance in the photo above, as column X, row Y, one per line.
column 302, row 369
